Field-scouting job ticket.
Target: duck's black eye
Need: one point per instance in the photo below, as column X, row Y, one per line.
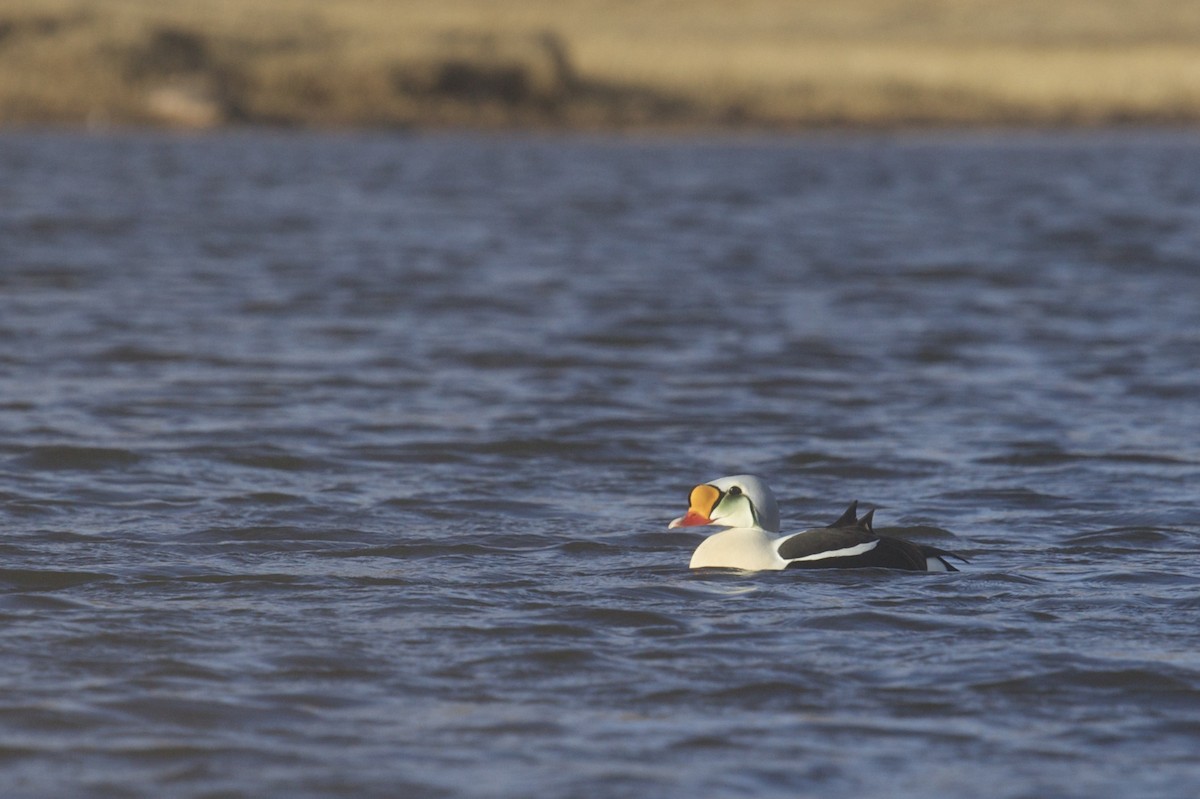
column 735, row 491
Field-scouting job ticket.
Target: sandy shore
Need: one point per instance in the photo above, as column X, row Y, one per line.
column 621, row 64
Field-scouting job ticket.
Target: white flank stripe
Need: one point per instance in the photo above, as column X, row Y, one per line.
column 840, row 553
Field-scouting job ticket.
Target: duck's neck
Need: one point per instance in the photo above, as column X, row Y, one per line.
column 738, row 548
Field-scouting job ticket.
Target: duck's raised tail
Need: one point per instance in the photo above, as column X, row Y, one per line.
column 935, row 559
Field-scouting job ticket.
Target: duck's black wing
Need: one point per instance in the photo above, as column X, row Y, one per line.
column 842, row 549
column 812, row 548
column 856, row 545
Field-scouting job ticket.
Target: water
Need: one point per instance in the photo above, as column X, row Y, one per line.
column 341, row 465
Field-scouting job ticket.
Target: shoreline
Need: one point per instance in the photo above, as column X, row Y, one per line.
column 1013, row 134
column 460, row 65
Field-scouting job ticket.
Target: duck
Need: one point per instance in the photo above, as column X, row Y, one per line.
column 746, row 506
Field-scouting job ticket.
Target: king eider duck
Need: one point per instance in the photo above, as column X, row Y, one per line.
column 744, row 504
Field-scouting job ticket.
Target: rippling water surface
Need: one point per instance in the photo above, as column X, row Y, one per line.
column 341, row 466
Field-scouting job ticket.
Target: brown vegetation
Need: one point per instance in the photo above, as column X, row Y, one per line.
column 594, row 64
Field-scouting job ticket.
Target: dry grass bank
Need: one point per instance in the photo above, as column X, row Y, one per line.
column 598, row 64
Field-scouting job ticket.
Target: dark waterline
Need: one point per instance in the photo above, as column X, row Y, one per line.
column 341, row 465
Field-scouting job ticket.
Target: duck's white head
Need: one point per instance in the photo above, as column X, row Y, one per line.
column 741, row 500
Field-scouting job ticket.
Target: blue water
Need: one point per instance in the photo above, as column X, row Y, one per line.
column 341, row 465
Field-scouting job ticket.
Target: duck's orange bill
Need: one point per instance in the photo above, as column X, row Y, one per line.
column 692, row 519
column 702, row 501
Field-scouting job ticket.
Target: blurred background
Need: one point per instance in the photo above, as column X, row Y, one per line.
column 598, row 64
